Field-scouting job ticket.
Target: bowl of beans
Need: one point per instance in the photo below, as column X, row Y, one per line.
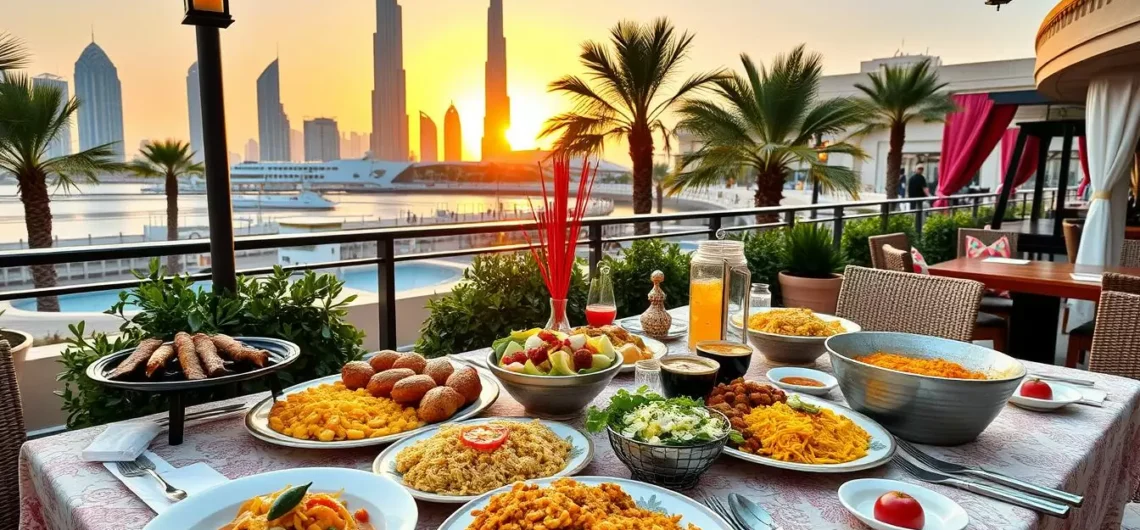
column 738, row 397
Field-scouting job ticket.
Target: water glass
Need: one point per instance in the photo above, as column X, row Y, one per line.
column 761, row 296
column 647, row 373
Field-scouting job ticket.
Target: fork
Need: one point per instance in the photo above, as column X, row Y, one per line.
column 715, row 505
column 143, row 466
column 957, row 469
column 1036, row 504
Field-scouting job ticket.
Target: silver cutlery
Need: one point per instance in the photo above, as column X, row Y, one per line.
column 206, row 414
column 143, row 466
column 1070, row 380
column 1016, row 498
column 993, row 476
column 715, row 505
column 751, row 514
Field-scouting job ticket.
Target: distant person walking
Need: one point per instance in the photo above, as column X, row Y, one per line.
column 916, row 185
column 901, row 191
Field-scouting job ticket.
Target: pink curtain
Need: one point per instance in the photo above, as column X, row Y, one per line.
column 968, row 138
column 1027, row 166
column 1082, row 149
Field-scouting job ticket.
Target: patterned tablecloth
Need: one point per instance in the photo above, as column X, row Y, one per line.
column 1084, row 449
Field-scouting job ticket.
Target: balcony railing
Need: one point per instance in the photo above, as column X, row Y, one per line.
column 386, row 238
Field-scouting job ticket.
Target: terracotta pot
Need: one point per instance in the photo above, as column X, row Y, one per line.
column 818, row 294
column 20, row 343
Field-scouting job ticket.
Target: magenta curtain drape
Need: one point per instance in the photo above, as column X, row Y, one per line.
column 968, row 138
column 1082, row 150
column 1027, row 165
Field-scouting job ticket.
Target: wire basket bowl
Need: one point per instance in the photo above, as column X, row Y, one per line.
column 674, row 467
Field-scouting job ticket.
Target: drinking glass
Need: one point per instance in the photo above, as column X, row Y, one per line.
column 647, row 372
column 600, row 306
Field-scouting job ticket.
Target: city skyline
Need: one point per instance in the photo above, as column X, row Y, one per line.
column 273, row 132
column 389, row 89
column 452, row 135
column 97, row 84
column 322, row 140
column 429, row 139
column 497, row 119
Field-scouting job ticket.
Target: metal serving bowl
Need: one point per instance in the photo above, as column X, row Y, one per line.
column 921, row 408
column 674, row 467
column 790, row 349
column 554, row 396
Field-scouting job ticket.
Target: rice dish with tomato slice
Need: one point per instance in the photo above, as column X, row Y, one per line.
column 449, row 463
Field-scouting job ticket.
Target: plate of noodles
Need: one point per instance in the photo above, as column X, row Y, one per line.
column 806, row 433
column 298, row 499
column 605, row 502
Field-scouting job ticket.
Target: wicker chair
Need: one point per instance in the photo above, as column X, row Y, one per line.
column 987, row 237
column 14, row 435
column 1116, row 344
column 896, row 260
column 1122, row 283
column 1130, row 253
column 898, row 240
column 1081, row 337
column 880, row 300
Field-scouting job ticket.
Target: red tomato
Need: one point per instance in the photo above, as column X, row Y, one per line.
column 321, row 501
column 1036, row 389
column 899, row 509
column 361, row 515
column 484, row 437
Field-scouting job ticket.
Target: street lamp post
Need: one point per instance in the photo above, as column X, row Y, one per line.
column 820, row 144
column 208, row 16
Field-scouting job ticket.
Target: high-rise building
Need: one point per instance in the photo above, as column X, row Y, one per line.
column 296, row 146
column 272, row 123
column 252, row 154
column 353, row 145
column 194, row 103
column 100, row 101
column 61, row 144
column 389, row 108
column 429, row 139
column 452, row 136
column 234, row 158
column 498, row 117
column 322, row 140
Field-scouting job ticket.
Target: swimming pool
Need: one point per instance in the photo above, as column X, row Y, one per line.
column 408, row 276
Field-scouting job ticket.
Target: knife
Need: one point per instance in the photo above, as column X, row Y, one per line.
column 750, row 513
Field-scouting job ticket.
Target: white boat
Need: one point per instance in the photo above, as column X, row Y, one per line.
column 305, row 200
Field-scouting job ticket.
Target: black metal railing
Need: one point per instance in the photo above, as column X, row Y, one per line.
column 385, row 239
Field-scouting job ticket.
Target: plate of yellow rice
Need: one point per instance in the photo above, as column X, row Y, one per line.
column 792, row 335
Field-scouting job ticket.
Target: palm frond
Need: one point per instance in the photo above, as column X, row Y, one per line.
column 13, row 54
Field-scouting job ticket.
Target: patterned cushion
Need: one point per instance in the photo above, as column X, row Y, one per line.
column 999, row 249
column 919, row 262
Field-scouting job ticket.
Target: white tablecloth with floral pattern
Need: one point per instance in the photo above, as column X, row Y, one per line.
column 1083, row 449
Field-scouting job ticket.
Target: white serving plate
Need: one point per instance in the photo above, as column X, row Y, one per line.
column 581, row 453
column 389, row 505
column 658, row 348
column 1062, row 395
column 941, row 513
column 829, row 382
column 645, row 495
column 880, row 451
column 257, row 419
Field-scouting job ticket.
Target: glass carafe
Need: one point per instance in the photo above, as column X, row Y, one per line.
column 719, row 284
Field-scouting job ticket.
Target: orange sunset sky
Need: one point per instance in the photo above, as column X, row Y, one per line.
column 325, row 50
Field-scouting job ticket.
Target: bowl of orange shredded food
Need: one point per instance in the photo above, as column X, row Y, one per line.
column 792, row 335
column 924, row 389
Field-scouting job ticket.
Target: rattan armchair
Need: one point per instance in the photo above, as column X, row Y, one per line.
column 1081, row 337
column 987, row 237
column 881, row 300
column 1122, row 283
column 1130, row 253
column 898, row 240
column 896, row 259
column 12, row 438
column 1116, row 344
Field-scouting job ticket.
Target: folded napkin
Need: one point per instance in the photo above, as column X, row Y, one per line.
column 121, row 442
column 1007, row 261
column 194, row 478
column 1091, row 396
column 1085, row 277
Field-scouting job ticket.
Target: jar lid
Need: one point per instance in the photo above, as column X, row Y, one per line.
column 730, row 250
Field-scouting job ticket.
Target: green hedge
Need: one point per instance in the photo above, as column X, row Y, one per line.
column 631, row 275
column 857, row 250
column 764, row 253
column 940, row 234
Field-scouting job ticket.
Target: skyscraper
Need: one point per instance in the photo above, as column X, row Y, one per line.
column 389, row 112
column 429, row 139
column 61, row 145
column 101, row 101
column 296, row 145
column 452, row 136
column 252, row 154
column 272, row 123
column 498, row 117
column 194, row 103
column 322, row 140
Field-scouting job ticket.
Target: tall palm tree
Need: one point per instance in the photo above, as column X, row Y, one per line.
column 897, row 96
column 167, row 159
column 628, row 88
column 30, row 119
column 767, row 128
column 660, row 175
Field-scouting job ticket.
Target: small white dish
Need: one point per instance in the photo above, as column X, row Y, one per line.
column 829, row 382
column 859, row 497
column 1062, row 395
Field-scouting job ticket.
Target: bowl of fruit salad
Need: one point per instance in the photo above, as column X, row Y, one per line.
column 553, row 374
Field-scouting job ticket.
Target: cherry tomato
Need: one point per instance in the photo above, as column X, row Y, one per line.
column 484, row 437
column 1037, row 389
column 321, row 501
column 361, row 515
column 899, row 509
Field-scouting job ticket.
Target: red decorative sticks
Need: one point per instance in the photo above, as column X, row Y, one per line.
column 558, row 225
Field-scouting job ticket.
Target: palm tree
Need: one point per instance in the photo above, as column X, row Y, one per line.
column 628, row 88
column 30, row 118
column 897, row 96
column 660, row 175
column 167, row 159
column 768, row 128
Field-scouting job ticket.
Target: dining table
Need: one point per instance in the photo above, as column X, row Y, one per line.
column 1036, row 288
column 1088, row 450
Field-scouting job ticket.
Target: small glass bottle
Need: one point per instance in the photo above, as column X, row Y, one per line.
column 647, row 372
column 761, row 296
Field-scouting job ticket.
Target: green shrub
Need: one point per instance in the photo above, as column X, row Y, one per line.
column 631, row 275
column 856, row 249
column 808, row 252
column 940, row 235
column 499, row 293
column 305, row 311
column 763, row 251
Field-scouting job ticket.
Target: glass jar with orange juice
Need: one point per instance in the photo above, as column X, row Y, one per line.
column 719, row 283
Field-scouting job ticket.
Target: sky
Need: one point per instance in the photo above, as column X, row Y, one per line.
column 325, row 50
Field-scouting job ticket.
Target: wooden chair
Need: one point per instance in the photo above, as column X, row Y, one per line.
column 896, row 259
column 881, row 300
column 898, row 240
column 995, row 305
column 12, row 437
column 1081, row 337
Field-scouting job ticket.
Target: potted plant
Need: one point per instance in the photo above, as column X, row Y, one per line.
column 20, row 343
column 810, row 269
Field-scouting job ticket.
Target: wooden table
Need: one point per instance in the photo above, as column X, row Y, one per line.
column 1036, row 289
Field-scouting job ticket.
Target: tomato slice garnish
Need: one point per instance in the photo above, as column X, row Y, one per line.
column 484, row 437
column 321, row 501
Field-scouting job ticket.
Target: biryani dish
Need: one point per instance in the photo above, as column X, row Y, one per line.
column 474, row 459
column 570, row 505
column 299, row 510
column 802, row 433
column 794, row 322
column 920, row 366
column 331, row 412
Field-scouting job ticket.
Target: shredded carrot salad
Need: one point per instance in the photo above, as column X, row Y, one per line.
column 916, row 365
